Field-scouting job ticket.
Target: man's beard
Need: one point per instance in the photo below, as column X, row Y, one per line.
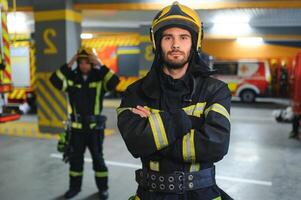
column 174, row 64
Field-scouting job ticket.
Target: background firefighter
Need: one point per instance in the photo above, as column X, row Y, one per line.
column 176, row 119
column 86, row 86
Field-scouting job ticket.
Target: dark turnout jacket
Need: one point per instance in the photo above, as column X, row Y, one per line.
column 85, row 96
column 186, row 137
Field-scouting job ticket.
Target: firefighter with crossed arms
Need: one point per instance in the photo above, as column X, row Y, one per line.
column 177, row 118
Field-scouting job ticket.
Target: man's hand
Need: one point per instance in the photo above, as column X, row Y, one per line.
column 95, row 60
column 72, row 61
column 143, row 112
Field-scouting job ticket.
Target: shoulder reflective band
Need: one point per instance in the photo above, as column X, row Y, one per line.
column 195, row 110
column 188, row 147
column 154, row 166
column 101, row 174
column 74, row 173
column 97, row 99
column 120, row 110
column 158, row 130
column 195, row 167
column 76, row 125
column 219, row 109
column 106, row 79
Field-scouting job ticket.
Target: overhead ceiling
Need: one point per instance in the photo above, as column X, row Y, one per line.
column 261, row 20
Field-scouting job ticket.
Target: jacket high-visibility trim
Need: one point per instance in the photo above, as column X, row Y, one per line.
column 92, row 125
column 158, row 130
column 97, row 98
column 93, row 85
column 76, row 125
column 188, row 147
column 101, row 174
column 106, row 79
column 152, row 110
column 217, row 198
column 219, row 109
column 120, row 110
column 154, row 165
column 195, row 167
column 75, row 174
column 195, row 110
column 60, row 75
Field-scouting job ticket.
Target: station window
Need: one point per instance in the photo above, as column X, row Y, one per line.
column 226, row 68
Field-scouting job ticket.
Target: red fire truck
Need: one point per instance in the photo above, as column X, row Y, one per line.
column 246, row 79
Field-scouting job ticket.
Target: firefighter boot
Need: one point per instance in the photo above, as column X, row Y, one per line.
column 74, row 188
column 102, row 185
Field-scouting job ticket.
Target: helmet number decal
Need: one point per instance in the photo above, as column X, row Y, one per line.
column 50, row 46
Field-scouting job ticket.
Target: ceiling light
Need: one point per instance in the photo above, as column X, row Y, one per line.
column 250, row 41
column 86, row 36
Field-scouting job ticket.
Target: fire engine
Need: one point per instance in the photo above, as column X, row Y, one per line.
column 246, row 79
column 5, row 66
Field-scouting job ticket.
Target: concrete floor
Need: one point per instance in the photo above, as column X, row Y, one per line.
column 262, row 162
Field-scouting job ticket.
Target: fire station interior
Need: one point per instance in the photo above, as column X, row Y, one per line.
column 253, row 46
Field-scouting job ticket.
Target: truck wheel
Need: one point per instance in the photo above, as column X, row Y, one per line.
column 248, row 96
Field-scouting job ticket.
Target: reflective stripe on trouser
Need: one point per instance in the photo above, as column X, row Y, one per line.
column 75, row 173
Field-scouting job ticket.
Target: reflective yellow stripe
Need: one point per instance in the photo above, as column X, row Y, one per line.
column 101, row 174
column 188, row 147
column 137, row 198
column 76, row 125
column 152, row 110
column 70, row 83
column 219, row 109
column 199, row 109
column 217, row 198
column 60, row 75
column 195, row 110
column 120, row 110
column 154, row 165
column 158, row 130
column 106, row 79
column 74, row 173
column 93, row 84
column 92, row 125
column 195, row 167
column 64, row 85
column 97, row 99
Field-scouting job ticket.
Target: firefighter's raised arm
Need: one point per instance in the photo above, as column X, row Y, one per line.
column 61, row 78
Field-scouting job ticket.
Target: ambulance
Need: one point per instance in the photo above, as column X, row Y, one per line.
column 246, row 79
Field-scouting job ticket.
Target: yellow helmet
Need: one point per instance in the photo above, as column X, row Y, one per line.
column 84, row 52
column 177, row 15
